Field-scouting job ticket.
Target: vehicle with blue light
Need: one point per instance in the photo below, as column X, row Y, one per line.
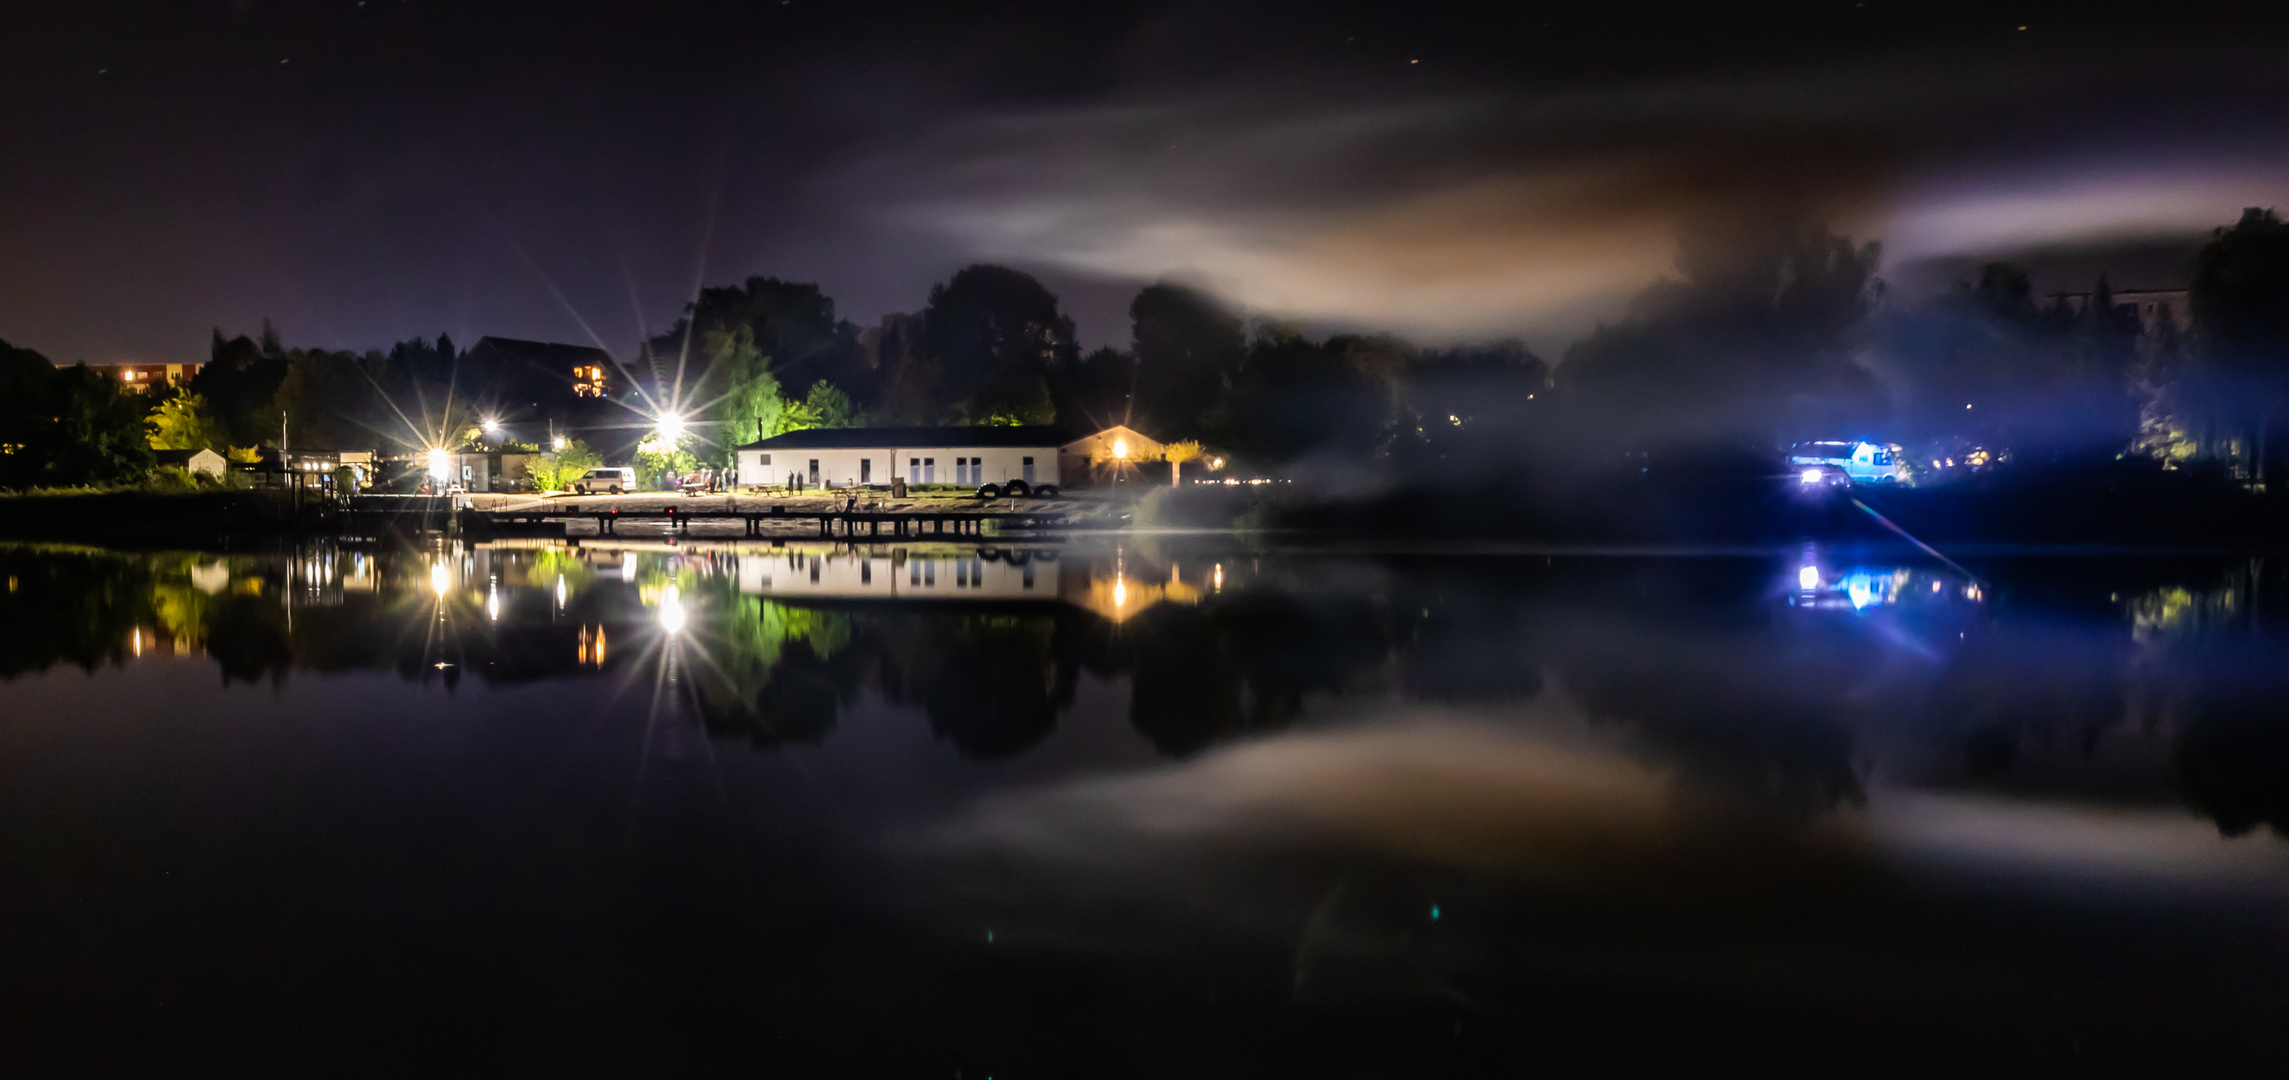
column 1833, row 462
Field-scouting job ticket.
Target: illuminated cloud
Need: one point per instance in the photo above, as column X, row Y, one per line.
column 2096, row 203
column 1503, row 213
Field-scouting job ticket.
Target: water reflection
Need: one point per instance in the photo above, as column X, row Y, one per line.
column 799, row 789
column 1796, row 682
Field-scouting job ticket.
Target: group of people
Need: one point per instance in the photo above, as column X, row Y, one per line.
column 705, row 480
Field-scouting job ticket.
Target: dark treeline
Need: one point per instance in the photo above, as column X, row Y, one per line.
column 1773, row 329
column 62, row 426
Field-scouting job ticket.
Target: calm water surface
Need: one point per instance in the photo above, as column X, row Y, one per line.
column 1148, row 808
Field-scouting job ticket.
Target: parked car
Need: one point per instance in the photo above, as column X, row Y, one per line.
column 1861, row 462
column 611, row 480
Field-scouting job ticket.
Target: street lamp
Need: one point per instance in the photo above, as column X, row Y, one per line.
column 492, row 425
column 440, row 464
column 671, row 428
column 1120, row 449
column 557, row 444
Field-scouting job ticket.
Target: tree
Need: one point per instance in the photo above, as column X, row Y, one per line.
column 1982, row 365
column 555, row 471
column 750, row 405
column 1468, row 408
column 183, row 422
column 67, row 426
column 99, row 435
column 1753, row 337
column 2240, row 300
column 1176, row 454
column 829, row 407
column 791, row 322
column 997, row 336
column 1187, row 349
column 1099, row 391
column 240, row 382
column 1295, row 398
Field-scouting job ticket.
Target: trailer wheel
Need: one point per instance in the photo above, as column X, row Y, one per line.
column 1045, row 491
column 988, row 491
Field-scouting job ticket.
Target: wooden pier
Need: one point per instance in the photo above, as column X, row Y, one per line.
column 853, row 524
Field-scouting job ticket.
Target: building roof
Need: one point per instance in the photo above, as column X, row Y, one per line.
column 1035, row 435
column 541, row 353
column 178, row 457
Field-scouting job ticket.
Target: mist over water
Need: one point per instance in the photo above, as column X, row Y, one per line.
column 1099, row 807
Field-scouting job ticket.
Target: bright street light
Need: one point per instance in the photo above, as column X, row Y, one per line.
column 492, row 425
column 1120, row 449
column 671, row 428
column 440, row 464
column 557, row 443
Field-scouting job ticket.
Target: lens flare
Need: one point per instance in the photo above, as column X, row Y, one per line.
column 440, row 578
column 672, row 614
column 440, row 464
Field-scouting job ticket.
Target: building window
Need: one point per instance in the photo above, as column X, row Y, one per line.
column 766, row 459
column 866, row 470
column 929, row 470
column 814, row 472
column 913, row 470
column 1029, row 473
column 961, row 470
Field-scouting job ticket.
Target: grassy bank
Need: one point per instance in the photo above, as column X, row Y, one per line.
column 150, row 516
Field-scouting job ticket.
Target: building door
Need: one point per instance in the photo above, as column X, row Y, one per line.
column 814, row 472
column 1029, row 472
column 866, row 470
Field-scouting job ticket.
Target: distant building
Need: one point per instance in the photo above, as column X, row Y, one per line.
column 962, row 456
column 496, row 470
column 585, row 370
column 1034, row 455
column 142, row 375
column 1106, row 456
column 2152, row 307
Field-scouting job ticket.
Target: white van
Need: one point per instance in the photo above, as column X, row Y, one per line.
column 612, row 480
column 1861, row 462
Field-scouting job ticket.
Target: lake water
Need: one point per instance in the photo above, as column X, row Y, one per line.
column 1141, row 807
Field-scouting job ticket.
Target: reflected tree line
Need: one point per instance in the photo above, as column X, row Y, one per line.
column 2137, row 683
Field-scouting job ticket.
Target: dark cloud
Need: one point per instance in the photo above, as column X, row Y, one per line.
column 361, row 173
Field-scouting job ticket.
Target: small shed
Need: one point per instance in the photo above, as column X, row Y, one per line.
column 205, row 462
column 1103, row 456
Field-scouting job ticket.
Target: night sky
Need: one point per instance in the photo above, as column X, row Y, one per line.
column 361, row 171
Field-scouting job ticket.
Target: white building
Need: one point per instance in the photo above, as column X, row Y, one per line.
column 965, row 457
